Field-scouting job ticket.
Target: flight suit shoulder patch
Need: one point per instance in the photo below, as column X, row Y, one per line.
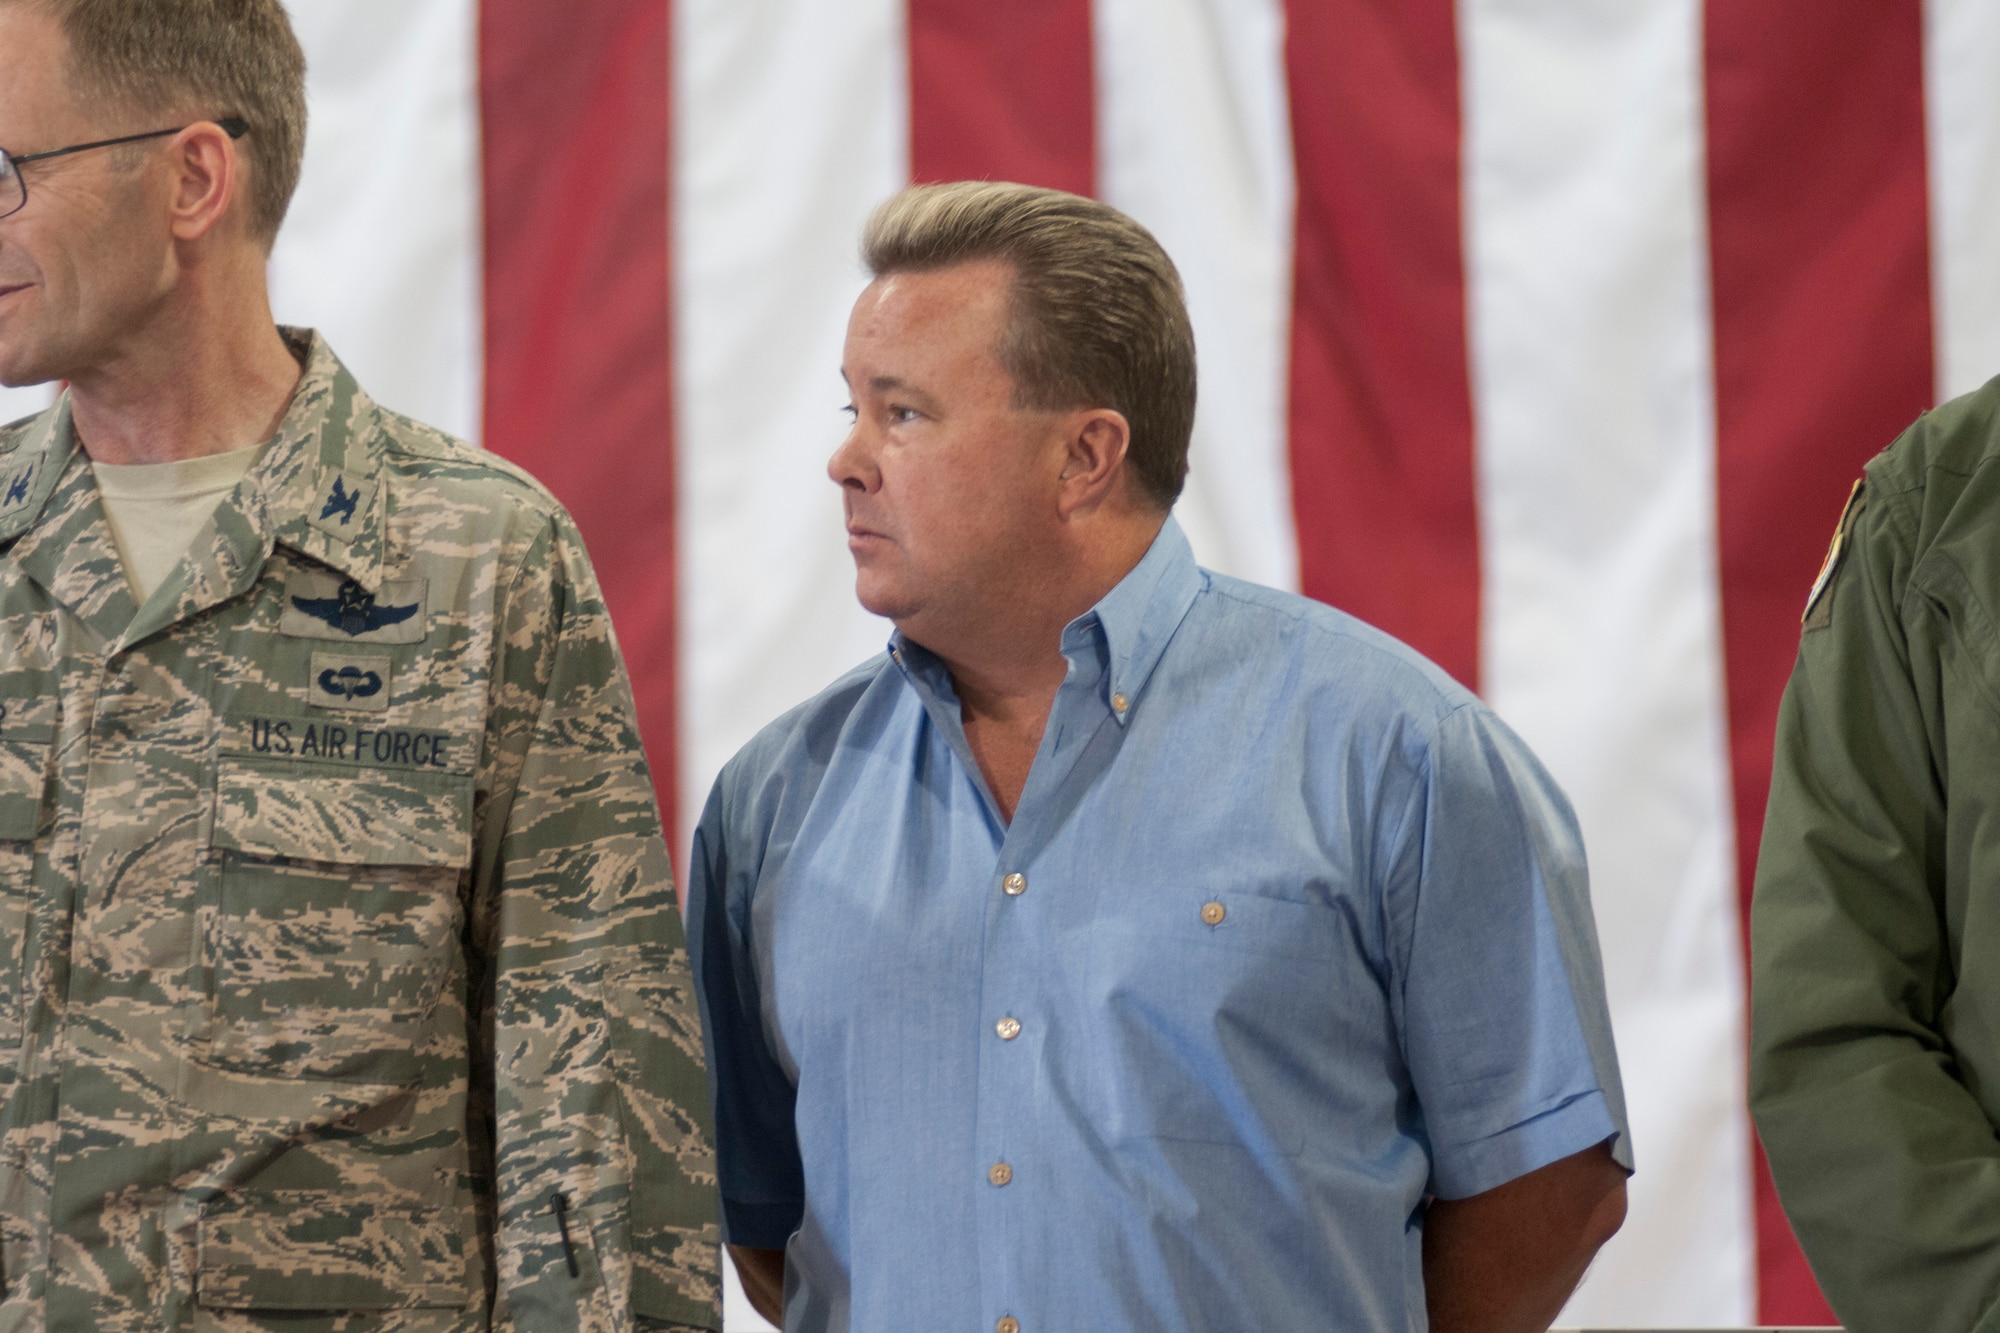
column 1819, row 604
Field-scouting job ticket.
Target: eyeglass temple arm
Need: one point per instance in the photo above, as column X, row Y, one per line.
column 233, row 126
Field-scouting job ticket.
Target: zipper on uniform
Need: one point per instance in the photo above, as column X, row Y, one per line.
column 559, row 1205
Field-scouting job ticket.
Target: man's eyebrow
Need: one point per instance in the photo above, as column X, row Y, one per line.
column 882, row 383
column 897, row 385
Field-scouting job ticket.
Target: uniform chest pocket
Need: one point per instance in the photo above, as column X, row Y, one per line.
column 302, row 1252
column 27, row 734
column 24, row 771
column 332, row 947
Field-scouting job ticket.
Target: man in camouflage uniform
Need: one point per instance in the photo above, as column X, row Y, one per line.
column 343, row 985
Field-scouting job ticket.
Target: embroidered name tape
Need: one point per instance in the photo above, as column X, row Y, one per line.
column 355, row 746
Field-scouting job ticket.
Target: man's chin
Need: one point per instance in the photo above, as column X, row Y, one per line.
column 19, row 368
column 879, row 597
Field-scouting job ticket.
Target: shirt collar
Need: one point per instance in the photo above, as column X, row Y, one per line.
column 1139, row 616
column 1133, row 621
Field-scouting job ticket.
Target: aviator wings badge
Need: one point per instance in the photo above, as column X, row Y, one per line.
column 352, row 610
column 325, row 605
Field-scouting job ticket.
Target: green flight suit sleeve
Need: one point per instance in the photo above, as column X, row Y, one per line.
column 1885, row 1161
column 603, row 1162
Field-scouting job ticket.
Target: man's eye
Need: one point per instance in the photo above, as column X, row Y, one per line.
column 902, row 416
column 852, row 414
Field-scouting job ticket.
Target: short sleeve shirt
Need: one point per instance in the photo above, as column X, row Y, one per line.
column 1287, row 934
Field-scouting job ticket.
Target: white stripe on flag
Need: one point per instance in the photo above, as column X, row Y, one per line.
column 24, row 401
column 1194, row 141
column 1962, row 105
column 381, row 249
column 1587, row 287
column 791, row 123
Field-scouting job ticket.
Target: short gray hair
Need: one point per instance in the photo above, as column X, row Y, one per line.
column 1099, row 317
column 203, row 58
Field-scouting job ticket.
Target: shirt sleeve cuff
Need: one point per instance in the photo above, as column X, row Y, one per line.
column 761, row 1226
column 1465, row 1169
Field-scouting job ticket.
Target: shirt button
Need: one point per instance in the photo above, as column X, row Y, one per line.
column 1007, row 1324
column 1016, row 884
column 1008, row 1028
column 1000, row 1173
column 1212, row 913
column 1119, row 703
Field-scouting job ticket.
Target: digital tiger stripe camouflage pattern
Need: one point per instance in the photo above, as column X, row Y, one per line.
column 344, row 984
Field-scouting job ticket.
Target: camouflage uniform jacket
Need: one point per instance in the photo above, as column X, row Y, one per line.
column 344, row 986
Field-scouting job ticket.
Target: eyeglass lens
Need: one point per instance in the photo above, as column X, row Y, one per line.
column 13, row 190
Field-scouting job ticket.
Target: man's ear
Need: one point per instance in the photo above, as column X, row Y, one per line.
column 208, row 175
column 1095, row 443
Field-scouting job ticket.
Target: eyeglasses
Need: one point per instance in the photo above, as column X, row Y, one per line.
column 14, row 189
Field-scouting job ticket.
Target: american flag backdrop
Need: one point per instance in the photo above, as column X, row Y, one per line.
column 1546, row 334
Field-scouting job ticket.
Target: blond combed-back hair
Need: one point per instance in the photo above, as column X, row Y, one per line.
column 200, row 59
column 1098, row 318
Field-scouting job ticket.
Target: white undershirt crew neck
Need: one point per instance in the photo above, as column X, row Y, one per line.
column 155, row 510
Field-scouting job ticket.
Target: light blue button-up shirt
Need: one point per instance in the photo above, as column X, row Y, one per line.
column 1295, row 932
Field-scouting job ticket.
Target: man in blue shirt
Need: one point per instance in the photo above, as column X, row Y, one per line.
column 1128, row 947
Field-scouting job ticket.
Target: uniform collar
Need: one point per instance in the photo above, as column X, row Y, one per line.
column 317, row 490
column 320, row 482
column 30, row 471
column 50, row 510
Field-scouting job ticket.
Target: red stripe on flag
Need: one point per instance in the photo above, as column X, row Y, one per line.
column 1381, row 400
column 1821, row 271
column 578, row 377
column 1002, row 92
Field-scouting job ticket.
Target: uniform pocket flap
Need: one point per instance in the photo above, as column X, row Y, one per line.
column 317, row 812
column 312, row 1250
column 27, row 730
column 24, row 768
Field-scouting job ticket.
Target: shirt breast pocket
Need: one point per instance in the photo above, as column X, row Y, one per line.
column 1206, row 1003
column 332, row 943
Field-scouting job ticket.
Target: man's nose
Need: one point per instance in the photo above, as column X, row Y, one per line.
column 852, row 463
